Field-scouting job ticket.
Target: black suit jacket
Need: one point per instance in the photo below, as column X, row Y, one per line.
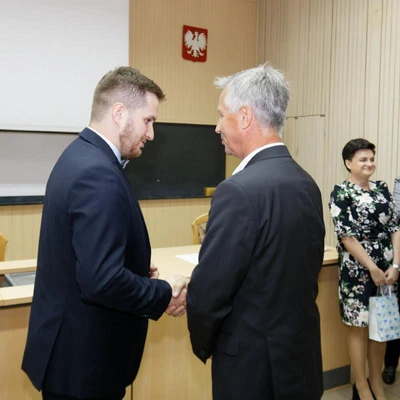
column 92, row 296
column 252, row 297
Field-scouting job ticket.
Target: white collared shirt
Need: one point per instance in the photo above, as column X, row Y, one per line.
column 246, row 160
column 112, row 146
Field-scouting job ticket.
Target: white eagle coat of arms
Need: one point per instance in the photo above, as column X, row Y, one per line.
column 194, row 45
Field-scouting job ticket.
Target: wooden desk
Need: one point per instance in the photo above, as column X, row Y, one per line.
column 164, row 258
column 7, row 267
column 169, row 370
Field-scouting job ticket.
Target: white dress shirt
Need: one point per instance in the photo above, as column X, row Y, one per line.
column 112, row 146
column 246, row 160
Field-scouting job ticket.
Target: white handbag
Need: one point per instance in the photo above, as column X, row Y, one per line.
column 384, row 317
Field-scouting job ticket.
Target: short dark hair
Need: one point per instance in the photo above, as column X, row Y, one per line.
column 353, row 146
column 123, row 84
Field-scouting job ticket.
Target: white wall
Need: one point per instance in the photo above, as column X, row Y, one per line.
column 26, row 160
column 52, row 54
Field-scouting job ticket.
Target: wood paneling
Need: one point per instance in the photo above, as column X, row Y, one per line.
column 168, row 362
column 333, row 331
column 14, row 383
column 13, row 329
column 305, row 138
column 295, row 36
column 21, row 225
column 342, row 58
column 168, row 223
column 156, row 47
column 388, row 111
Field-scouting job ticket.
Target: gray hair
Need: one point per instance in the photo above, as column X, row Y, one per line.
column 262, row 88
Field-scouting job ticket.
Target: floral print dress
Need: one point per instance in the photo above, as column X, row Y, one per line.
column 370, row 217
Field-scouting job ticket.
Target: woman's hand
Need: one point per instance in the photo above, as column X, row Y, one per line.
column 378, row 276
column 391, row 274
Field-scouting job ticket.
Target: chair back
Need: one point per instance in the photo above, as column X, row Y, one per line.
column 3, row 244
column 199, row 228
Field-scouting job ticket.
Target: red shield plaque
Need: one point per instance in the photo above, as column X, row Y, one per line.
column 194, row 43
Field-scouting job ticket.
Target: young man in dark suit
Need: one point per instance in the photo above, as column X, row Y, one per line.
column 251, row 300
column 95, row 288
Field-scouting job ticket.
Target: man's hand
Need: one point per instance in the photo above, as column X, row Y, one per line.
column 177, row 305
column 177, row 283
column 154, row 273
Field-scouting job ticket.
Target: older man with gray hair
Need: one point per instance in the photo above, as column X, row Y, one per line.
column 251, row 301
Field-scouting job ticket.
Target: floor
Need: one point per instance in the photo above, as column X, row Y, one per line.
column 392, row 391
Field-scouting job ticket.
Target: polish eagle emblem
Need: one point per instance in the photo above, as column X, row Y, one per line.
column 194, row 43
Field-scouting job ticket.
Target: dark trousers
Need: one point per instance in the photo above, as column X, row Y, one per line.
column 392, row 353
column 46, row 395
column 393, row 347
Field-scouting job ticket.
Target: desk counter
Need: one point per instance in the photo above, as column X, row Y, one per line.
column 164, row 258
column 169, row 369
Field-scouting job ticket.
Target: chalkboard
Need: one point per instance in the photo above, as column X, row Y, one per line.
column 182, row 160
column 179, row 163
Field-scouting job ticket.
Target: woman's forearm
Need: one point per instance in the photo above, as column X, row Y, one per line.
column 355, row 248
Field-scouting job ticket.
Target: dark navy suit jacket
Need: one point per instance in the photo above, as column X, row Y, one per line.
column 251, row 301
column 92, row 297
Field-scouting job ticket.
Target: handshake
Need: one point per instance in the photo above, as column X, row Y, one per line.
column 177, row 305
column 179, row 284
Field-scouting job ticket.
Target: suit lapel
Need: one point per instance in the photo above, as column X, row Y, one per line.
column 91, row 137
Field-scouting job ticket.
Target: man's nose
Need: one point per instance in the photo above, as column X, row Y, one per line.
column 150, row 132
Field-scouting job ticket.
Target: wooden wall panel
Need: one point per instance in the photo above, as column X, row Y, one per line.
column 168, row 362
column 345, row 116
column 156, row 46
column 299, row 134
column 333, row 331
column 15, row 384
column 388, row 131
column 13, row 329
column 20, row 224
column 168, row 223
column 372, row 70
column 342, row 58
column 295, row 36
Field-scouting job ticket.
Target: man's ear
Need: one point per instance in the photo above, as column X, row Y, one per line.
column 117, row 112
column 348, row 164
column 246, row 116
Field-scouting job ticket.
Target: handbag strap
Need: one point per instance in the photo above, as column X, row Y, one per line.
column 384, row 290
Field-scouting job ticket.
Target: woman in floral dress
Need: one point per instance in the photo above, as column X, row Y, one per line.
column 368, row 232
